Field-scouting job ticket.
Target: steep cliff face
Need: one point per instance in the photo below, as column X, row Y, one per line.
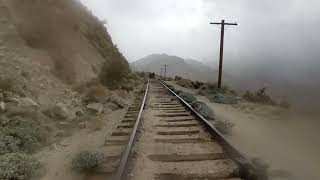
column 58, row 39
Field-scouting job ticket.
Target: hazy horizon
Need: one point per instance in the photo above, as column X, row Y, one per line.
column 182, row 28
column 275, row 44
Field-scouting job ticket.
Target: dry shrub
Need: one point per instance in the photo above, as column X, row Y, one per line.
column 185, row 83
column 260, row 96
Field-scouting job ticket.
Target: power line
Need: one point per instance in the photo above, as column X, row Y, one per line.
column 165, row 70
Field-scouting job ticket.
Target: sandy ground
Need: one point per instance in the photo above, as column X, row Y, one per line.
column 283, row 139
column 57, row 158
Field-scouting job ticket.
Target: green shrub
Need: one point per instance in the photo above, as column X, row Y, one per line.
column 188, row 97
column 87, row 160
column 203, row 109
column 26, row 138
column 16, row 166
column 8, row 144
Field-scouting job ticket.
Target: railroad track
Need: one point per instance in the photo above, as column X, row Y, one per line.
column 165, row 139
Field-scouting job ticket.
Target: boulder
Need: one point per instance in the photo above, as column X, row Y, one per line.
column 59, row 111
column 27, row 102
column 95, row 107
column 113, row 106
column 78, row 111
column 60, row 133
column 63, row 125
column 118, row 101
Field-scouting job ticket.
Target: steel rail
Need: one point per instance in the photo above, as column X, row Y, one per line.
column 247, row 169
column 125, row 157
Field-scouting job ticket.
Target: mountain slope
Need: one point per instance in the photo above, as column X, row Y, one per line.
column 187, row 68
column 60, row 36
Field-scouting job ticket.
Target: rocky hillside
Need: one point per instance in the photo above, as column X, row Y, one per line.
column 57, row 37
column 61, row 76
column 187, row 68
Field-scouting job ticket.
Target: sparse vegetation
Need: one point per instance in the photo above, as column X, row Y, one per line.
column 17, row 166
column 260, row 96
column 188, row 97
column 87, row 160
column 203, row 109
column 21, row 135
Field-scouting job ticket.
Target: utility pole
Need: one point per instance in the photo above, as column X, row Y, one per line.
column 165, row 70
column 161, row 71
column 223, row 23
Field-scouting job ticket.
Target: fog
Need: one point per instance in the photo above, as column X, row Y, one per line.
column 275, row 45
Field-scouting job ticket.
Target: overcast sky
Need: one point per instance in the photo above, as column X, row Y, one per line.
column 283, row 28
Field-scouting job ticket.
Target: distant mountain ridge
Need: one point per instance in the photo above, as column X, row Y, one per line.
column 177, row 66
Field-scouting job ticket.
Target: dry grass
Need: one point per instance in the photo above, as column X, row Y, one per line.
column 259, row 96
